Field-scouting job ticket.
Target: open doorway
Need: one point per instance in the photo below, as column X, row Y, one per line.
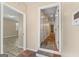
column 49, row 28
column 13, row 39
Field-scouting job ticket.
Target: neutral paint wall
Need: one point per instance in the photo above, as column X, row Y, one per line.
column 70, row 41
column 9, row 28
column 18, row 5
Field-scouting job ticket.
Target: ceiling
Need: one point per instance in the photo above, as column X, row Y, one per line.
column 49, row 11
column 11, row 14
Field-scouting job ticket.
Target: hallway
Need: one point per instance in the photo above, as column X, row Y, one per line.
column 49, row 42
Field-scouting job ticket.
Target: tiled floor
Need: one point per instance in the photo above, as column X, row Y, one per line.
column 11, row 55
column 10, row 47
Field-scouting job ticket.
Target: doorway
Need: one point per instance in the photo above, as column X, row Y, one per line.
column 50, row 33
column 13, row 30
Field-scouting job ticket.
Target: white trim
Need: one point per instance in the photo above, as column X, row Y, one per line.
column 24, row 31
column 47, row 6
column 39, row 28
column 40, row 55
column 2, row 28
column 31, row 49
column 9, row 36
column 60, row 27
column 24, row 26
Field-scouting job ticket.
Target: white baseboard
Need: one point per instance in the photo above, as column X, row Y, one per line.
column 32, row 49
column 9, row 36
column 40, row 55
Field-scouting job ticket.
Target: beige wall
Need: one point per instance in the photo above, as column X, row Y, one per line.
column 70, row 43
column 9, row 28
column 18, row 5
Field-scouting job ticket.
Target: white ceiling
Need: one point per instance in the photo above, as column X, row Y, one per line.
column 11, row 14
column 49, row 11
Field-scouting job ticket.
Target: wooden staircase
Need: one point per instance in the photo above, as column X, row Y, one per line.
column 50, row 40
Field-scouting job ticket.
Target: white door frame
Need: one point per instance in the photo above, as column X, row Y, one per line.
column 48, row 6
column 1, row 30
column 24, row 25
